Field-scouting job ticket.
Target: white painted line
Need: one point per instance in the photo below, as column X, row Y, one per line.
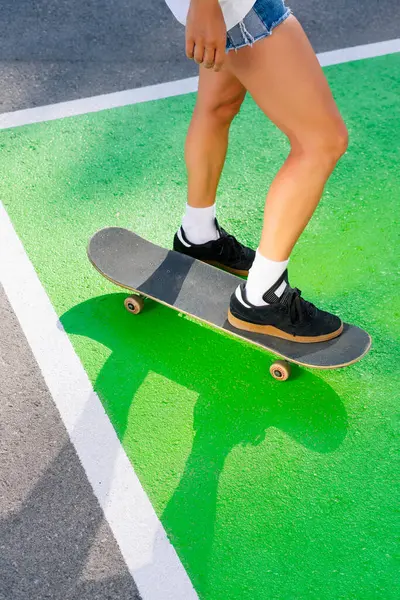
column 151, row 559
column 83, row 106
column 344, row 55
column 168, row 89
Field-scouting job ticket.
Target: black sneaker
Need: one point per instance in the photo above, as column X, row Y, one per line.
column 287, row 315
column 226, row 252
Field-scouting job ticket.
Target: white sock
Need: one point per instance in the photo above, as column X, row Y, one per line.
column 262, row 276
column 199, row 224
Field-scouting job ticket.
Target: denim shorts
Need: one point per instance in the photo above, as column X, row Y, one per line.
column 257, row 24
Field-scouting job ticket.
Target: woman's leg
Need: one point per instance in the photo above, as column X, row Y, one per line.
column 219, row 99
column 283, row 75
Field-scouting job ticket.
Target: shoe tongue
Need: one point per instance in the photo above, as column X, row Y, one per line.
column 276, row 293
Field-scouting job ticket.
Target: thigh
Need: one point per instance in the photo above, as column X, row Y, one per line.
column 283, row 75
column 219, row 90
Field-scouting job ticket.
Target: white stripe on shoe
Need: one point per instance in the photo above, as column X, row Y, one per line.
column 239, row 296
column 279, row 291
column 180, row 238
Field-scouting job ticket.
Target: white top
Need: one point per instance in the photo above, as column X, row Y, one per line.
column 233, row 10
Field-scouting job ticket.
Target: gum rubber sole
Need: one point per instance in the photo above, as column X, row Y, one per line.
column 275, row 332
column 239, row 272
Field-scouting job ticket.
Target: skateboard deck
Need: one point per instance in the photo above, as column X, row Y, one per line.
column 203, row 291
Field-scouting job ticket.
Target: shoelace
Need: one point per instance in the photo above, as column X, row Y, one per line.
column 298, row 308
column 232, row 246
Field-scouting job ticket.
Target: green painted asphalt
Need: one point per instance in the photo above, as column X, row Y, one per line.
column 267, row 490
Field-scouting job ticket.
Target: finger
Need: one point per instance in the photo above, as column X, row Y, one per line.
column 209, row 57
column 190, row 48
column 219, row 58
column 199, row 52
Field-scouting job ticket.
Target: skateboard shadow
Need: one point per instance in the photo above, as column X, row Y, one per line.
column 238, row 402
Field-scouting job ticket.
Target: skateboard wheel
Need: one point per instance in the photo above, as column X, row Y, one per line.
column 134, row 304
column 280, row 370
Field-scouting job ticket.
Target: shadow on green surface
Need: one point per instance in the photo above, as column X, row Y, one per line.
column 237, row 403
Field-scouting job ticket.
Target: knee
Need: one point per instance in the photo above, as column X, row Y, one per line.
column 330, row 143
column 223, row 112
column 339, row 141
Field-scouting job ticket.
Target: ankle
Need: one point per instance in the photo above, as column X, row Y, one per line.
column 263, row 274
column 199, row 224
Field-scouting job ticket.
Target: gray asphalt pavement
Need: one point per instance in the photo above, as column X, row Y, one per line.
column 56, row 50
column 54, row 542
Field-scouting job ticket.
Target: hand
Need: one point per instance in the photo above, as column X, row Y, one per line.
column 206, row 34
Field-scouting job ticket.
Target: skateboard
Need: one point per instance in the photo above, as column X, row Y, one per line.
column 203, row 292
